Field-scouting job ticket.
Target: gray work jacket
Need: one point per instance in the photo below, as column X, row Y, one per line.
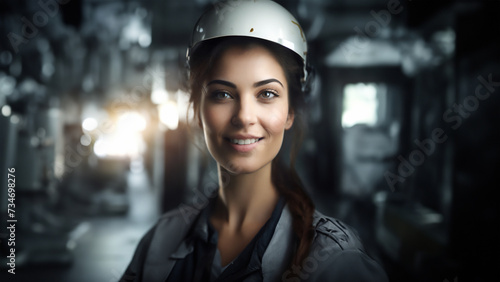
column 336, row 252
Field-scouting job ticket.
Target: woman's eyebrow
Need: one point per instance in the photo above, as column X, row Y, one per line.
column 264, row 82
column 223, row 82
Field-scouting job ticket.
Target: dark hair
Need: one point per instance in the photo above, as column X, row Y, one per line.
column 284, row 177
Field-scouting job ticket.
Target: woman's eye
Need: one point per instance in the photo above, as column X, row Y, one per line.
column 268, row 94
column 221, row 95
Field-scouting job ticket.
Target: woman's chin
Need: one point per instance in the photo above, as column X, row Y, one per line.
column 237, row 168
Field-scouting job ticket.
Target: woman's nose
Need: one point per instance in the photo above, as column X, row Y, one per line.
column 245, row 113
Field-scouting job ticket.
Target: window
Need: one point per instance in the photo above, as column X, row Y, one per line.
column 364, row 103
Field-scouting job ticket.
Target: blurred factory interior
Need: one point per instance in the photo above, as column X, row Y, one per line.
column 401, row 143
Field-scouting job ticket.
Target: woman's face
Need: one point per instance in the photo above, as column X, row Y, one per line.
column 244, row 109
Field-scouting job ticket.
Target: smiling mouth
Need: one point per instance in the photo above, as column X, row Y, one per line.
column 244, row 141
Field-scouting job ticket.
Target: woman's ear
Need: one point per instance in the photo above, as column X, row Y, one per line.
column 289, row 119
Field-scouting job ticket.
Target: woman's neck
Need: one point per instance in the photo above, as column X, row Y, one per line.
column 246, row 198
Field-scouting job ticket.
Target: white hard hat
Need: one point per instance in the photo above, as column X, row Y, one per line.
column 262, row 19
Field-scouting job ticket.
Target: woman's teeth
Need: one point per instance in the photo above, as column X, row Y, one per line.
column 243, row 141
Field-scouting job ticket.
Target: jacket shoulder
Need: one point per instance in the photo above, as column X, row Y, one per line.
column 162, row 238
column 335, row 233
column 176, row 223
column 183, row 213
column 339, row 254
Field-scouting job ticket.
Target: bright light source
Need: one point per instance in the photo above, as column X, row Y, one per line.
column 159, row 96
column 100, row 148
column 131, row 121
column 6, row 111
column 126, row 140
column 169, row 114
column 89, row 124
column 360, row 104
column 120, row 144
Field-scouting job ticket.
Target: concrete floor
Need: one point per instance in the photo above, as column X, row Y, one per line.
column 105, row 243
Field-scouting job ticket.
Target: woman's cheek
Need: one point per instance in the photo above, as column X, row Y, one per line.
column 212, row 117
column 275, row 120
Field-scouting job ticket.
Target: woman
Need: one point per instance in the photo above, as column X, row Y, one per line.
column 247, row 66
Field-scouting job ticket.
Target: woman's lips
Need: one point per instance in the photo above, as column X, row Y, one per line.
column 243, row 145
